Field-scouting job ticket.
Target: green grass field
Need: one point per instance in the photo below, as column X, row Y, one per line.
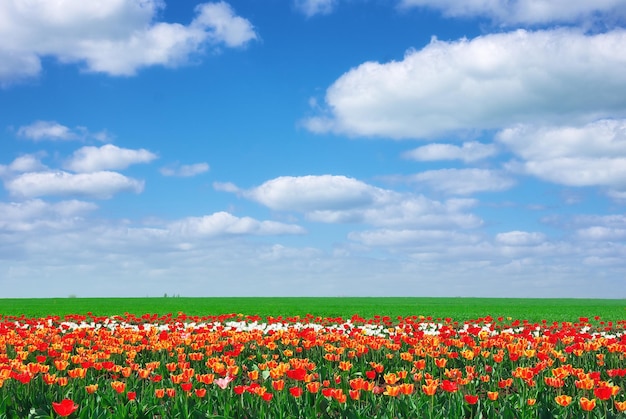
column 456, row 308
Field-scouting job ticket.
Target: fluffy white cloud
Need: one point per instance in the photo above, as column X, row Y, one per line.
column 489, row 82
column 219, row 22
column 525, row 11
column 117, row 37
column 185, row 170
column 25, row 163
column 102, row 185
column 315, row 7
column 340, row 199
column 307, row 193
column 221, row 223
column 468, row 152
column 589, row 155
column 463, row 181
column 95, row 159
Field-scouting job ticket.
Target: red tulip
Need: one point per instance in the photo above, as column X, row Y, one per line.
column 603, row 393
column 471, row 399
column 65, row 408
column 296, row 391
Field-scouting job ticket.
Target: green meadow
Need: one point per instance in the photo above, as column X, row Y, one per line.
column 456, row 308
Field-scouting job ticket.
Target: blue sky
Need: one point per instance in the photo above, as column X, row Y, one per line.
column 313, row 148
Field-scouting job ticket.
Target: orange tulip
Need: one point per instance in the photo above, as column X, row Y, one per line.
column 60, row 365
column 584, row 384
column 345, row 365
column 313, row 387
column 278, row 385
column 441, row 362
column 505, row 383
column 430, row 390
column 587, row 404
column 118, row 386
column 563, row 400
column 355, row 394
column 205, row 378
column 392, row 391
column 492, row 395
column 143, row 373
column 620, row 406
column 406, row 388
column 49, row 378
column 420, row 364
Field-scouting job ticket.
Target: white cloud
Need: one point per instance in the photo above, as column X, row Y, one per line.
column 340, row 199
column 221, row 223
column 225, row 187
column 404, row 211
column 95, row 159
column 315, row 7
column 520, row 238
column 102, row 185
column 306, row 193
column 525, row 11
column 489, row 82
column 589, row 155
column 52, row 130
column 393, row 238
column 468, row 152
column 619, row 196
column 463, row 181
column 117, row 37
column 602, row 233
column 35, row 213
column 185, row 170
column 608, row 228
column 25, row 163
column 616, row 220
column 44, row 243
column 46, row 130
column 15, row 67
column 223, row 25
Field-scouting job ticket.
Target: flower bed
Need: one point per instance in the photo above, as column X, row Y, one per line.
column 240, row 366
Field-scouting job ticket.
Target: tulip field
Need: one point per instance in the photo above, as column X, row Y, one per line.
column 180, row 365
